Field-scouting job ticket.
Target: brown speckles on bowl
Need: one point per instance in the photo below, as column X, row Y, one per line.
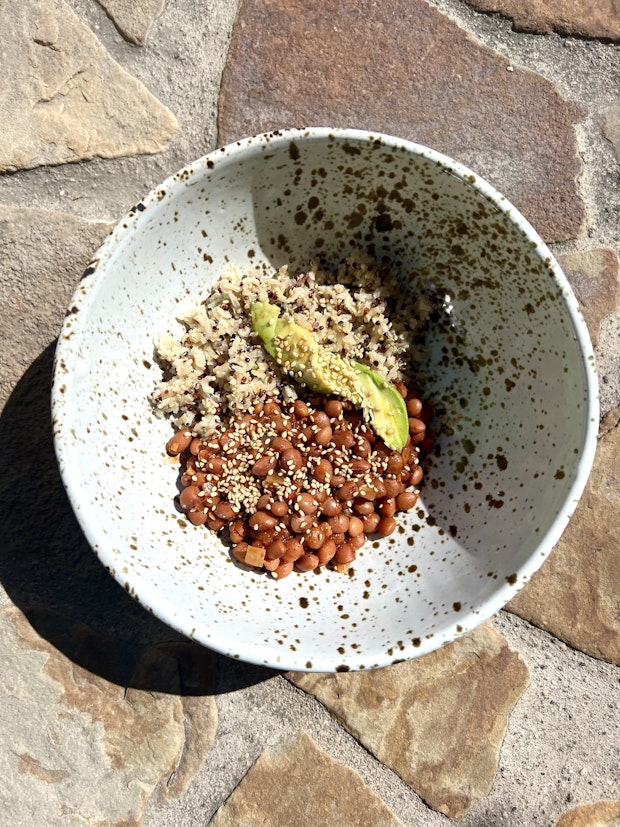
column 509, row 366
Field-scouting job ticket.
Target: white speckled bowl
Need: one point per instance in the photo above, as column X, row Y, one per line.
column 510, row 361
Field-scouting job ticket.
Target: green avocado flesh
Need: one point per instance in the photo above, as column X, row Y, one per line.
column 298, row 353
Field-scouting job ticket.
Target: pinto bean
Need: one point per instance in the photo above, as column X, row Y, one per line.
column 339, row 523
column 300, row 409
column 406, row 501
column 333, row 408
column 264, row 465
column 290, row 460
column 262, row 520
column 347, row 491
column 386, row 526
column 344, row 554
column 179, row 442
column 307, row 562
column 190, row 497
column 370, row 522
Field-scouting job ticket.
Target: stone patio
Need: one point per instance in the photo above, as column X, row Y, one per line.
column 107, row 716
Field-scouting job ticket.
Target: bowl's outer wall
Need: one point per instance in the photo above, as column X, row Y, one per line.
column 509, row 363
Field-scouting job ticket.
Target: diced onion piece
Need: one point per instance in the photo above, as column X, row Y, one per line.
column 254, row 556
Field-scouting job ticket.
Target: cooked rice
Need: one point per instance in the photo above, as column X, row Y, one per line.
column 220, row 368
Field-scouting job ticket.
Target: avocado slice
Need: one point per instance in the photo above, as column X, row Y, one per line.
column 298, row 353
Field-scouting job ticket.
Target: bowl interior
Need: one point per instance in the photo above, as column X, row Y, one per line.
column 509, row 362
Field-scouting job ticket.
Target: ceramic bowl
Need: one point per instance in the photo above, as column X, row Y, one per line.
column 510, row 364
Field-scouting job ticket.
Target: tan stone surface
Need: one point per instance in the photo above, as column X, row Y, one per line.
column 83, row 751
column 297, row 783
column 63, row 98
column 611, row 126
column 194, row 669
column 598, row 19
column 42, row 256
column 134, row 18
column 404, row 68
column 594, row 276
column 601, row 814
column 438, row 721
column 575, row 594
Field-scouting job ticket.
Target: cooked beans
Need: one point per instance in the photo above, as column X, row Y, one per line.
column 280, row 444
column 356, row 526
column 301, row 523
column 290, row 460
column 298, row 487
column 414, row 406
column 279, row 508
column 306, row 503
column 190, row 496
column 324, row 435
column 331, row 507
column 339, row 524
column 197, row 517
column 307, row 562
column 333, row 408
column 300, row 409
column 363, row 507
column 262, row 520
column 326, row 552
column 180, row 442
column 347, row 491
column 323, row 471
column 393, row 488
column 344, row 554
column 224, row 511
column 370, row 522
column 406, row 500
column 276, row 549
column 264, row 465
column 343, row 438
column 388, row 507
column 386, row 526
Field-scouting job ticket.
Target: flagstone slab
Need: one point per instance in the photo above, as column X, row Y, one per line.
column 62, row 96
column 297, row 783
column 134, row 18
column 574, row 595
column 403, row 68
column 594, row 276
column 77, row 749
column 437, row 721
column 600, row 19
column 611, row 126
column 43, row 254
column 601, row 814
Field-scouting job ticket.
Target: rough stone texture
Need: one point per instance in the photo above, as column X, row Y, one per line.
column 294, row 64
column 593, row 275
column 575, row 594
column 611, row 126
column 600, row 19
column 437, row 721
column 601, row 814
column 297, row 783
column 63, row 98
column 134, row 18
column 43, row 255
column 91, row 752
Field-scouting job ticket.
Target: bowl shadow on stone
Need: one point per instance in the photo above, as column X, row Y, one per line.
column 51, row 574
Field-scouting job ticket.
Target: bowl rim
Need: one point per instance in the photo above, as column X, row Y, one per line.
column 84, row 295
